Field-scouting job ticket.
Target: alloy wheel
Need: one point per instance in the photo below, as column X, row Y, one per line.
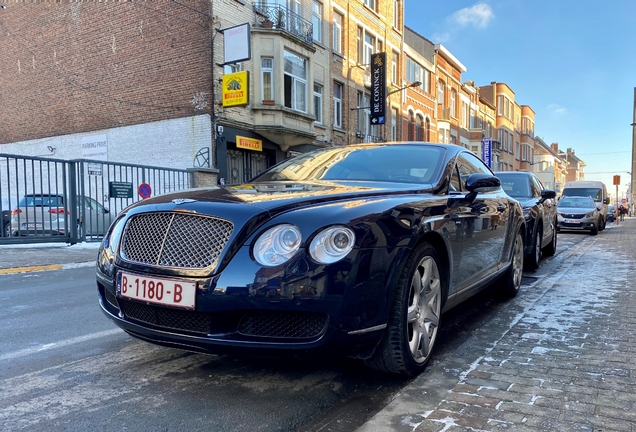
column 424, row 309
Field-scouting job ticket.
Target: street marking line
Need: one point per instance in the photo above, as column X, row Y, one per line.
column 60, row 344
column 30, row 269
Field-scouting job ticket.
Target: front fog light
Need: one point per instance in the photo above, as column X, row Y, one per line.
column 332, row 244
column 277, row 245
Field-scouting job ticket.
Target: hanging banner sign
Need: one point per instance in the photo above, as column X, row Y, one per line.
column 235, row 89
column 249, row 143
column 378, row 88
column 486, row 151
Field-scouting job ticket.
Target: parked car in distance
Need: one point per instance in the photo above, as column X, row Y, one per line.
column 593, row 189
column 611, row 213
column 578, row 213
column 539, row 210
column 347, row 251
column 39, row 214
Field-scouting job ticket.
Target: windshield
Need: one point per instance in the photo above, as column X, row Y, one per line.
column 572, row 202
column 41, row 201
column 594, row 193
column 392, row 163
column 517, row 186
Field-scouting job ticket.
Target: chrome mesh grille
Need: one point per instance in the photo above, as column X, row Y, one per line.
column 573, row 216
column 195, row 322
column 175, row 239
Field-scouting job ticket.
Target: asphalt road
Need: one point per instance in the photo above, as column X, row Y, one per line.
column 65, row 367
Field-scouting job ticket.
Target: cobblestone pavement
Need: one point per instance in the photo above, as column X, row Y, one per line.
column 565, row 364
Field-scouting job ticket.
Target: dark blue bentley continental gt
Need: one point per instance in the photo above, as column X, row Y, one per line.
column 351, row 251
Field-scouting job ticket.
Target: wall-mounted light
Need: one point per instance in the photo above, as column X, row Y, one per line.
column 3, row 6
column 51, row 149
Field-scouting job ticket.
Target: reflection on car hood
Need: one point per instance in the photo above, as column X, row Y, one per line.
column 270, row 195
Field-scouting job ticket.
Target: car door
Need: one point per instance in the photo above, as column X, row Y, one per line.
column 484, row 225
column 547, row 210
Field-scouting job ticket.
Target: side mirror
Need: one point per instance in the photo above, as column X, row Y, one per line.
column 547, row 194
column 606, row 201
column 480, row 182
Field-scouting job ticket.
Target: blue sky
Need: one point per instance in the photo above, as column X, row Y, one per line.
column 572, row 61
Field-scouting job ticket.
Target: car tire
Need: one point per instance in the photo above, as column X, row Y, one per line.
column 602, row 224
column 531, row 262
column 594, row 231
column 550, row 249
column 415, row 315
column 6, row 230
column 510, row 282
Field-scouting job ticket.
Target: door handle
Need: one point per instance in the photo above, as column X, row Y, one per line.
column 501, row 208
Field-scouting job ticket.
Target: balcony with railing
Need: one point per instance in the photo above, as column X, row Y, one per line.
column 282, row 18
column 443, row 112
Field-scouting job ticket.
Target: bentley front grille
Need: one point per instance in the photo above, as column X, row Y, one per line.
column 176, row 319
column 175, row 239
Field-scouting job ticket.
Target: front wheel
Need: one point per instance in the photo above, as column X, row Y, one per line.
column 532, row 260
column 511, row 280
column 415, row 316
column 6, row 230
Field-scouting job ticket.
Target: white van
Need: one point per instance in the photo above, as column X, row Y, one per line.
column 595, row 190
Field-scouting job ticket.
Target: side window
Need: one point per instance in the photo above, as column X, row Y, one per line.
column 537, row 187
column 477, row 164
column 455, row 183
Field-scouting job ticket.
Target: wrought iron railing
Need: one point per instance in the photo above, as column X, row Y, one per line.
column 443, row 112
column 363, row 138
column 279, row 17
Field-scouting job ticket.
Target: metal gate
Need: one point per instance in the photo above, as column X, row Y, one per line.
column 54, row 200
column 243, row 165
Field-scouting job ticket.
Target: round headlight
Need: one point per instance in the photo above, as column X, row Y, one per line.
column 277, row 245
column 332, row 244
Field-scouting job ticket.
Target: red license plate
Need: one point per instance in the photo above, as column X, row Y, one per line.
column 163, row 291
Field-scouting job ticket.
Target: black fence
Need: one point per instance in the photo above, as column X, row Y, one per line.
column 53, row 200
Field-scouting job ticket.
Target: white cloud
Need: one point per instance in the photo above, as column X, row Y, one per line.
column 556, row 110
column 442, row 37
column 478, row 16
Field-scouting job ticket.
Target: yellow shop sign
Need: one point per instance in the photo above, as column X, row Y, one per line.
column 249, row 143
column 236, row 89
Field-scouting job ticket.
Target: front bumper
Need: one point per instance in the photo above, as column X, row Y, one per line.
column 301, row 308
column 584, row 224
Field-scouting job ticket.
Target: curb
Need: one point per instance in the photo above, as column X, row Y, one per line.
column 39, row 268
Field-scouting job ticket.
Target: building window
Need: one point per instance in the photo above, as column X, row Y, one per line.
column 267, row 78
column 419, row 128
column 440, row 92
column 295, row 82
column 411, row 134
column 394, row 67
column 369, row 48
column 316, row 20
column 318, row 103
column 427, row 130
column 337, row 32
column 396, row 14
column 370, row 3
column 517, row 151
column 415, row 72
column 359, row 37
column 337, row 105
column 465, row 119
column 394, row 122
column 453, row 103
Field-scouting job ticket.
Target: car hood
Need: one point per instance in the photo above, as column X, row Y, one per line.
column 575, row 210
column 279, row 195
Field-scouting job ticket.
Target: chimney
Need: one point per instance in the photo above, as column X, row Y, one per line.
column 555, row 147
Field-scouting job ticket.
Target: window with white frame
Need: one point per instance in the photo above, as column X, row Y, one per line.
column 318, row 103
column 371, row 3
column 517, row 147
column 440, row 92
column 396, row 14
column 394, row 67
column 453, row 103
column 316, row 20
column 337, row 32
column 337, row 104
column 267, row 78
column 360, row 46
column 465, row 118
column 369, row 48
column 394, row 121
column 295, row 82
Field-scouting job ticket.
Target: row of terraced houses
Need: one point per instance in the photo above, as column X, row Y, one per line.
column 148, row 76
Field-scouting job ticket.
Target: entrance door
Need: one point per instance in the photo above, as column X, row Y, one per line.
column 243, row 165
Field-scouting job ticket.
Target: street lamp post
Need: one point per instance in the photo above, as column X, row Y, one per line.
column 633, row 173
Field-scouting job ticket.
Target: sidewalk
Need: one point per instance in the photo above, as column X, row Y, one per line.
column 565, row 360
column 46, row 256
